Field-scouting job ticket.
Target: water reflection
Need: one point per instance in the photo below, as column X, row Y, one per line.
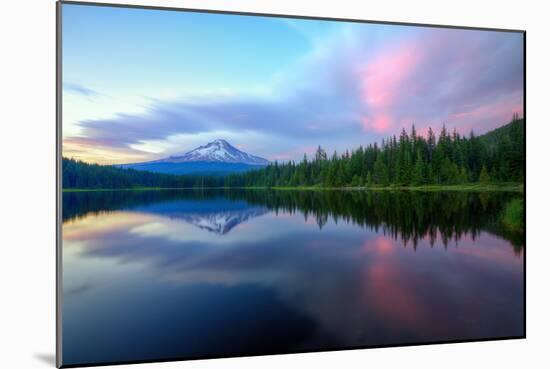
column 214, row 216
column 163, row 274
column 405, row 215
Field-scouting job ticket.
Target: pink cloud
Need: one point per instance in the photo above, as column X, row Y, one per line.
column 383, row 77
column 440, row 78
column 380, row 123
column 383, row 83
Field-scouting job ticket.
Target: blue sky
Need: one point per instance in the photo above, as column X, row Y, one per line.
column 143, row 84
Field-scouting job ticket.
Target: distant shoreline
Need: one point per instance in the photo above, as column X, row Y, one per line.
column 470, row 187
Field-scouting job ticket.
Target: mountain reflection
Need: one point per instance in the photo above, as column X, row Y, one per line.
column 222, row 222
column 210, row 214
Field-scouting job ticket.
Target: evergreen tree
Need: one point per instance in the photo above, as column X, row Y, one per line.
column 484, row 175
column 369, row 179
column 320, row 154
column 356, row 181
column 380, row 172
column 419, row 173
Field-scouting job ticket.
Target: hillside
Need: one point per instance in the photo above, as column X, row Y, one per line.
column 513, row 131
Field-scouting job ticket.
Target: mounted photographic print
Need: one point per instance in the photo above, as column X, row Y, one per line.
column 234, row 184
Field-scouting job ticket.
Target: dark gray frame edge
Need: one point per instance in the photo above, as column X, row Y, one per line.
column 59, row 188
column 59, row 184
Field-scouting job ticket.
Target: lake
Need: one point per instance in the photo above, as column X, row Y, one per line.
column 202, row 273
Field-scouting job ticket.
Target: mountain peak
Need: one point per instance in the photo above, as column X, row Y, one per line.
column 219, row 151
column 219, row 142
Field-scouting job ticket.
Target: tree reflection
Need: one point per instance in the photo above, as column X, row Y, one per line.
column 405, row 215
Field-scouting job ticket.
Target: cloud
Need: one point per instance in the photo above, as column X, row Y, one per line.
column 79, row 89
column 355, row 88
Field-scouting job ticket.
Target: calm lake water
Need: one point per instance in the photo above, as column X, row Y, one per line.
column 188, row 273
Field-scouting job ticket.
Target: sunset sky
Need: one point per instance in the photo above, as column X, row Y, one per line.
column 141, row 84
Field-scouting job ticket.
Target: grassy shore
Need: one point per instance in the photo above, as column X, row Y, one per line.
column 513, row 214
column 508, row 187
column 473, row 187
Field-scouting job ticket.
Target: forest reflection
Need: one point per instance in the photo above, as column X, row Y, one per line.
column 407, row 216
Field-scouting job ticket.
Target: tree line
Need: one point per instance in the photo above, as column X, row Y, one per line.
column 409, row 159
column 78, row 174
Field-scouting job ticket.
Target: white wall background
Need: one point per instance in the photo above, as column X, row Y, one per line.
column 27, row 180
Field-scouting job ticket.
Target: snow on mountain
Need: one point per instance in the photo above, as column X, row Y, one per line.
column 219, row 151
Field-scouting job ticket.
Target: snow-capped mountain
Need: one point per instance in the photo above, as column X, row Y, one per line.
column 218, row 157
column 217, row 151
